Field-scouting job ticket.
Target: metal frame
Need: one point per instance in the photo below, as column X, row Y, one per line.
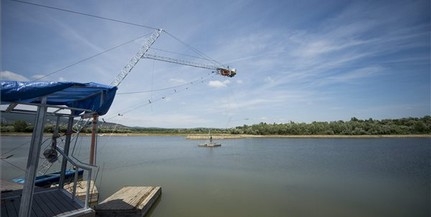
column 35, row 147
column 33, row 160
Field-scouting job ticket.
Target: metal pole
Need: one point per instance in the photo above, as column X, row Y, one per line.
column 75, row 181
column 57, row 126
column 87, row 194
column 33, row 160
column 93, row 140
column 66, row 151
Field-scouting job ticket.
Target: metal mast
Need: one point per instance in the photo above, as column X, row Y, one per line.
column 132, row 63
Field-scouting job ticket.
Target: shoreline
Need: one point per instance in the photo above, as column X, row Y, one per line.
column 199, row 136
column 238, row 136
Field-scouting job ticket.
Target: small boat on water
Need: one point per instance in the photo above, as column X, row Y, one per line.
column 52, row 178
column 210, row 144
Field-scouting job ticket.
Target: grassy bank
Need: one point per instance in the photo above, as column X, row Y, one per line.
column 236, row 136
column 224, row 136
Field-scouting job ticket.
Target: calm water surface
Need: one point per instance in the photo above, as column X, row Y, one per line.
column 261, row 176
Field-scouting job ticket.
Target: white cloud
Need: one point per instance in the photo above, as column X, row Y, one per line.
column 269, row 79
column 360, row 73
column 218, row 84
column 7, row 75
column 177, row 81
column 351, row 76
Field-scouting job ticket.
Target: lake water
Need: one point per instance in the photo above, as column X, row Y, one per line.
column 261, row 176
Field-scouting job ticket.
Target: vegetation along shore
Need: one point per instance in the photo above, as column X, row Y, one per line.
column 354, row 127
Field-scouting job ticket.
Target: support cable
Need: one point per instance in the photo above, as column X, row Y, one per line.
column 13, row 149
column 194, row 49
column 160, row 97
column 22, row 169
column 91, row 57
column 165, row 88
column 86, row 14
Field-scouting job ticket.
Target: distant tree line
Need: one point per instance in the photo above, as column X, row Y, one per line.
column 403, row 126
column 21, row 126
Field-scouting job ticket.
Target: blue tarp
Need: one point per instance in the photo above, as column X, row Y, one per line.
column 89, row 96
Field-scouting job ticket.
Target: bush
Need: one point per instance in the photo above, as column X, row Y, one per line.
column 20, row 126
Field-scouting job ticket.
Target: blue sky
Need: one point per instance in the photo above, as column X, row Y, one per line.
column 299, row 61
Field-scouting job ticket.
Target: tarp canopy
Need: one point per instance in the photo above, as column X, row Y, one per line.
column 86, row 96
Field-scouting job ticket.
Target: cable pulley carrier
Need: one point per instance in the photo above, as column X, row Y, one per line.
column 143, row 53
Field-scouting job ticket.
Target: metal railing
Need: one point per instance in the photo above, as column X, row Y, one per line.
column 78, row 164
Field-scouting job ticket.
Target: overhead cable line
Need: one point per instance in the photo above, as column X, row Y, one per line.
column 194, row 49
column 182, row 54
column 118, row 21
column 127, row 23
column 160, row 97
column 13, row 165
column 166, row 88
column 90, row 57
column 13, row 149
column 86, row 14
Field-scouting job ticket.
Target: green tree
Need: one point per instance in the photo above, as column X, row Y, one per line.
column 20, row 126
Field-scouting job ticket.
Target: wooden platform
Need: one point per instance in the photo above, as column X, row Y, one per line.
column 46, row 202
column 129, row 201
column 7, row 186
column 81, row 191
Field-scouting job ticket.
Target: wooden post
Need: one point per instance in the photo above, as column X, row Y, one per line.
column 93, row 141
column 33, row 160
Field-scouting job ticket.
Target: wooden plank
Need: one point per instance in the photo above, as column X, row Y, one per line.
column 10, row 208
column 59, row 202
column 129, row 201
column 37, row 211
column 62, row 202
column 150, row 200
column 43, row 205
column 56, row 202
column 52, row 203
column 76, row 202
column 3, row 208
column 7, row 186
column 33, row 212
column 46, row 202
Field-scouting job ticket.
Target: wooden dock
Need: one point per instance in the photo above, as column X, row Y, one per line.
column 81, row 191
column 7, row 186
column 46, row 202
column 129, row 201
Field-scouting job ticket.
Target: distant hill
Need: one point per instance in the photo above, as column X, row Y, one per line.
column 10, row 118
